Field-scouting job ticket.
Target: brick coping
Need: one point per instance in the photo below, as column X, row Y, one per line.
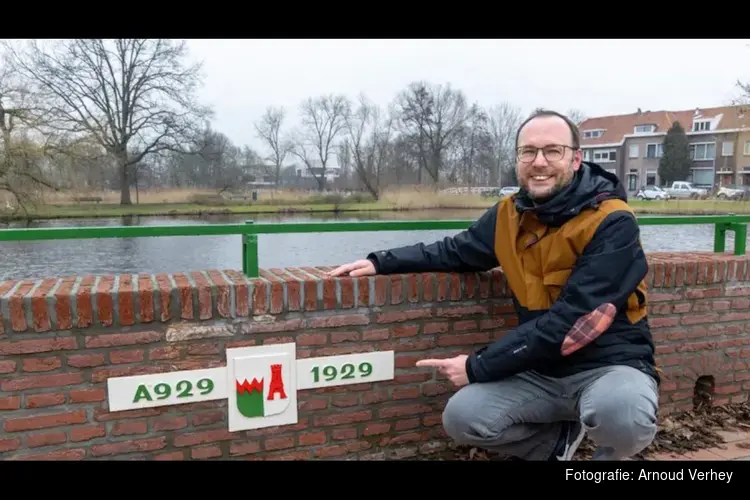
column 125, row 300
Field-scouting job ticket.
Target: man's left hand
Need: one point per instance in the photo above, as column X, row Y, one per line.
column 453, row 368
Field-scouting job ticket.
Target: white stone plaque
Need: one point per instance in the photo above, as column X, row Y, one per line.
column 347, row 369
column 166, row 389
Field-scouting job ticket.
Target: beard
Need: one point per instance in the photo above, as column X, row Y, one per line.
column 543, row 189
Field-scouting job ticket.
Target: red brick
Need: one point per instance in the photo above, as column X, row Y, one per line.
column 203, row 286
column 204, row 452
column 344, row 434
column 45, row 364
column 409, row 423
column 341, row 449
column 376, row 334
column 11, row 444
column 244, row 448
column 343, row 418
column 87, row 395
column 44, row 421
column 312, row 438
column 339, row 321
column 39, row 306
column 129, row 428
column 44, row 400
column 36, row 346
column 55, row 456
column 376, row 428
column 87, row 433
column 10, row 402
column 208, row 418
column 85, row 360
column 402, row 410
column 16, row 306
column 146, row 298
column 41, row 381
column 129, row 446
column 307, row 339
column 7, row 366
column 169, row 423
column 36, row 440
column 131, row 356
column 122, row 339
column 401, row 316
column 204, row 437
column 104, row 300
column 279, row 443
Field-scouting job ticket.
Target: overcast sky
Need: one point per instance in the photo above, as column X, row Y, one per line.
column 599, row 77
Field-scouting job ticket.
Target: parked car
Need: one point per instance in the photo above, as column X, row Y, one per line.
column 652, row 193
column 731, row 192
column 501, row 192
column 685, row 189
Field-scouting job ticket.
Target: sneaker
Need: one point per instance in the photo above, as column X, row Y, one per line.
column 570, row 438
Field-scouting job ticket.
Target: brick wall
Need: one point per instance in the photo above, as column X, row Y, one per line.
column 60, row 340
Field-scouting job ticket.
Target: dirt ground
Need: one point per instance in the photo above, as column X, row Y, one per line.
column 678, row 433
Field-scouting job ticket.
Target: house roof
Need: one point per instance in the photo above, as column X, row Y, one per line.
column 616, row 127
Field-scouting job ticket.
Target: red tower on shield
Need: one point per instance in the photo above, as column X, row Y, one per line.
column 276, row 386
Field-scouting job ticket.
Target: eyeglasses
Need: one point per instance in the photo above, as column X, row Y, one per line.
column 553, row 152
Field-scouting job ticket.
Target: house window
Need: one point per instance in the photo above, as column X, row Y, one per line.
column 592, row 134
column 644, row 129
column 747, row 147
column 701, row 125
column 703, row 151
column 727, row 148
column 650, row 177
column 634, row 151
column 586, row 155
column 605, row 156
column 654, row 150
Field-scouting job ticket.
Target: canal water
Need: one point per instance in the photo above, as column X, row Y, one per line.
column 40, row 259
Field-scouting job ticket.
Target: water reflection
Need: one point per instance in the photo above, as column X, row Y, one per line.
column 38, row 259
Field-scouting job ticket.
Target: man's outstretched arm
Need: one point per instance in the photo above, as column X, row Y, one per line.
column 606, row 274
column 469, row 250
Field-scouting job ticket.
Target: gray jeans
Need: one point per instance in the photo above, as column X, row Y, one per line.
column 521, row 416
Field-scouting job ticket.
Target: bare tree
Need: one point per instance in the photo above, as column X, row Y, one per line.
column 576, row 115
column 134, row 96
column 268, row 129
column 435, row 115
column 323, row 121
column 368, row 136
column 25, row 148
column 504, row 120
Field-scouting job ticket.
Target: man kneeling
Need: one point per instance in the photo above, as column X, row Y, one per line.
column 582, row 358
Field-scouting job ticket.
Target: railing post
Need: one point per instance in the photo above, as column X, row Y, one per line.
column 740, row 238
column 720, row 237
column 250, row 254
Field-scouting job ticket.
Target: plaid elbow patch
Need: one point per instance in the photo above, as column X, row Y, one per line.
column 588, row 328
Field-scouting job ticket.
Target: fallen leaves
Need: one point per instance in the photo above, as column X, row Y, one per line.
column 679, row 433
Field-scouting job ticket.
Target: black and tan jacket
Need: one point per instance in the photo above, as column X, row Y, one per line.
column 575, row 267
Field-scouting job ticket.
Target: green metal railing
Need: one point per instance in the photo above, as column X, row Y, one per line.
column 250, row 231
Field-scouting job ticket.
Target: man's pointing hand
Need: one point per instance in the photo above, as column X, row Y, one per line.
column 453, row 368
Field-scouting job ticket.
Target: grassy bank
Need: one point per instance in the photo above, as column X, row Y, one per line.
column 194, row 202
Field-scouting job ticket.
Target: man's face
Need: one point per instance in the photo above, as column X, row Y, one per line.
column 544, row 172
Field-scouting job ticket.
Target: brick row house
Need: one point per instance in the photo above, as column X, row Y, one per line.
column 631, row 145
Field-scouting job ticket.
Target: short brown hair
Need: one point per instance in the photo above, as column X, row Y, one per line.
column 539, row 112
